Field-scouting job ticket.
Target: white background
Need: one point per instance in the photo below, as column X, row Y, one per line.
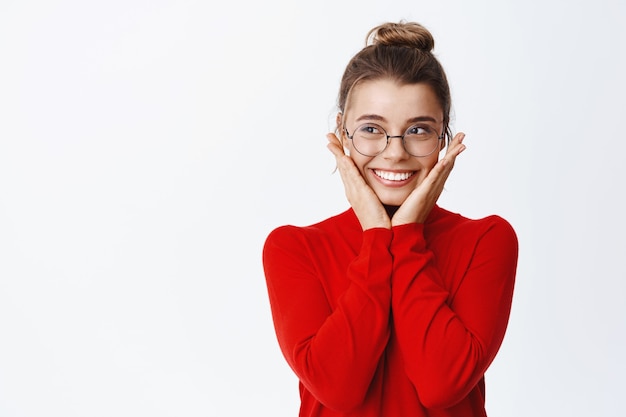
column 147, row 148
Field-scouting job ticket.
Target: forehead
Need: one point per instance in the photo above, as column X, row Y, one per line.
column 393, row 101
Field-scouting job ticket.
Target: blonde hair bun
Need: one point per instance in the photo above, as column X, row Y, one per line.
column 407, row 34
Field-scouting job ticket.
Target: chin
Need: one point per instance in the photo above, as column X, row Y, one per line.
column 392, row 200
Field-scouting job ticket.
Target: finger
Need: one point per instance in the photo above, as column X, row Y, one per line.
column 443, row 168
column 334, row 145
column 454, row 149
column 437, row 175
column 345, row 164
column 455, row 142
column 333, row 139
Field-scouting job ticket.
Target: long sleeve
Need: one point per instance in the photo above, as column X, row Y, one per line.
column 332, row 342
column 449, row 336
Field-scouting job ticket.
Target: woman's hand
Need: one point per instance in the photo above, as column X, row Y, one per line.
column 366, row 205
column 420, row 202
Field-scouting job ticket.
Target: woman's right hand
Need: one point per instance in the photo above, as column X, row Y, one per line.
column 366, row 205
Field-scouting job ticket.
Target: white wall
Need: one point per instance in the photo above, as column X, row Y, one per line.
column 148, row 147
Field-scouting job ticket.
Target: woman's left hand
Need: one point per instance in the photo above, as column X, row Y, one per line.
column 422, row 199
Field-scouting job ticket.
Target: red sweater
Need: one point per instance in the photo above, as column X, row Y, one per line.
column 400, row 322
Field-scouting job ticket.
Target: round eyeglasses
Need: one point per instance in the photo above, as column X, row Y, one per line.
column 370, row 139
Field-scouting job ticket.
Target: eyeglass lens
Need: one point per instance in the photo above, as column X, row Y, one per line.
column 419, row 140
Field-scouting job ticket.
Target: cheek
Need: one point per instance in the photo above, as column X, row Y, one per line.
column 429, row 162
column 359, row 160
column 349, row 148
column 434, row 161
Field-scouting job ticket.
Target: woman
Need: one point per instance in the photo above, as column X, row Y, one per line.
column 395, row 307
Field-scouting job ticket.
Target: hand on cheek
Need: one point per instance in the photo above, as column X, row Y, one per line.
column 366, row 205
column 420, row 202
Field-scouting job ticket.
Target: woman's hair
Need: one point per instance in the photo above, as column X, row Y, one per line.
column 400, row 52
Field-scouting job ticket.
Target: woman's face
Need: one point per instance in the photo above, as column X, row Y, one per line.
column 394, row 173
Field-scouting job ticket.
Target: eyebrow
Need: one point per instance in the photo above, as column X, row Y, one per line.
column 382, row 119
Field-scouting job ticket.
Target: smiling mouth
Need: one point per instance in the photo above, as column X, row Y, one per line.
column 394, row 176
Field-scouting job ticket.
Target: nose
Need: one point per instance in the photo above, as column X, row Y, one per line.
column 395, row 149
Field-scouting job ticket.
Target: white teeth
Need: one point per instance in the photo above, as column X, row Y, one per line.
column 393, row 176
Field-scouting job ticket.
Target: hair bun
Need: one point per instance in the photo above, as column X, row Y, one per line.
column 407, row 34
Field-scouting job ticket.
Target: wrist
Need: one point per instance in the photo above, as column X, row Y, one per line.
column 382, row 224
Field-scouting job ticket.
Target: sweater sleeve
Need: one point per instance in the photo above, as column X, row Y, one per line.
column 448, row 345
column 333, row 351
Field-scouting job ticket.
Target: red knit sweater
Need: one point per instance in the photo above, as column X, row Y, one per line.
column 400, row 322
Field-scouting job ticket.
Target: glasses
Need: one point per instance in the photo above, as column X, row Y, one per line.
column 370, row 139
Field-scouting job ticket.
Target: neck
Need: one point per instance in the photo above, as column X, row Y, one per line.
column 391, row 210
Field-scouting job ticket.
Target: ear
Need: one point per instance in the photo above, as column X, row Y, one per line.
column 340, row 132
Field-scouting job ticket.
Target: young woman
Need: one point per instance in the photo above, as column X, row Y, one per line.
column 395, row 307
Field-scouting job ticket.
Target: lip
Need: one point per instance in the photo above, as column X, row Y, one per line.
column 393, row 183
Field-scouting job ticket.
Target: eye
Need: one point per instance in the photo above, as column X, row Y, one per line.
column 370, row 131
column 420, row 130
